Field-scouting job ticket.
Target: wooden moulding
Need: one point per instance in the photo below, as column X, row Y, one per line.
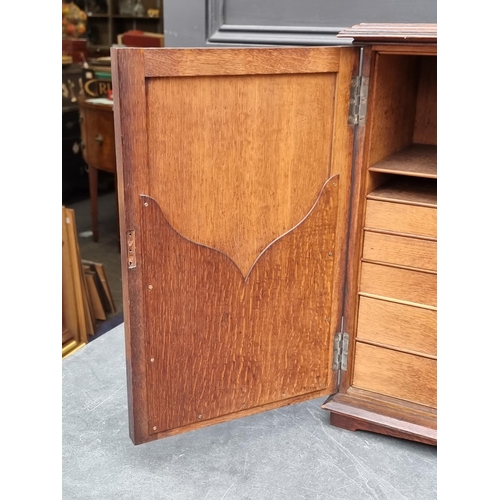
column 102, row 285
column 239, row 61
column 401, row 33
column 130, row 155
column 74, row 310
column 354, row 413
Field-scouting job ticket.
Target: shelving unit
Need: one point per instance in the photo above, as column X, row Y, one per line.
column 398, row 265
column 416, row 160
column 390, row 382
column 104, row 25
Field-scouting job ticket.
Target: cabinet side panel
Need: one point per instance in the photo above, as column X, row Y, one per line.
column 393, row 105
column 426, row 117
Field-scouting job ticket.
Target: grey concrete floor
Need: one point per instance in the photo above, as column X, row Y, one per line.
column 284, row 454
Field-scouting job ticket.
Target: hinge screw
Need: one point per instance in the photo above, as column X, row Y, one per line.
column 330, row 254
column 146, row 204
column 154, row 428
column 200, row 416
column 152, row 360
column 150, row 287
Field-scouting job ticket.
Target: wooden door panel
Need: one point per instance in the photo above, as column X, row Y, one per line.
column 234, row 173
column 255, row 190
column 217, row 337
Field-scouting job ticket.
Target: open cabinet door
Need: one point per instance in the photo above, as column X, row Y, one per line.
column 234, row 172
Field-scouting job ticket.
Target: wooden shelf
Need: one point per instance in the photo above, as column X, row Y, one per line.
column 421, row 192
column 105, row 27
column 417, row 160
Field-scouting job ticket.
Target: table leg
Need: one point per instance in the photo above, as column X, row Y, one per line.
column 93, row 182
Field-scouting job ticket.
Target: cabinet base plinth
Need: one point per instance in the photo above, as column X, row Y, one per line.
column 355, row 414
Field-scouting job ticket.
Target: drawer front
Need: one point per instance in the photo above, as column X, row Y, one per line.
column 100, row 139
column 396, row 374
column 401, row 250
column 401, row 218
column 402, row 284
column 397, row 325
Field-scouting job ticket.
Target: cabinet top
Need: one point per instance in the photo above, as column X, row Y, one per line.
column 391, row 33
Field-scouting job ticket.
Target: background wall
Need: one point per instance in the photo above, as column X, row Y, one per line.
column 196, row 23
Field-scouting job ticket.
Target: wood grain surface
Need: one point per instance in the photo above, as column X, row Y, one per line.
column 233, row 146
column 217, row 343
column 129, row 102
column 239, row 61
column 397, row 374
column 393, row 106
column 400, row 250
column 401, row 218
column 250, row 153
column 412, row 286
column 425, row 131
column 416, row 160
column 100, row 139
column 397, row 325
column 352, row 413
column 410, row 191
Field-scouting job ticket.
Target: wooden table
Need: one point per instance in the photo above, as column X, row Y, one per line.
column 98, row 146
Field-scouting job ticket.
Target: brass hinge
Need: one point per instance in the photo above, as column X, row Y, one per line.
column 131, row 262
column 358, row 100
column 340, row 351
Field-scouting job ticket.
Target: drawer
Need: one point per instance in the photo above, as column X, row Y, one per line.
column 395, row 374
column 99, row 139
column 402, row 284
column 401, row 250
column 406, row 327
column 401, row 218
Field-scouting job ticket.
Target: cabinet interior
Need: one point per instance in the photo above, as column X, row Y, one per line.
column 396, row 303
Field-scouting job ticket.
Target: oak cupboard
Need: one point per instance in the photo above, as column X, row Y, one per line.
column 278, row 228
